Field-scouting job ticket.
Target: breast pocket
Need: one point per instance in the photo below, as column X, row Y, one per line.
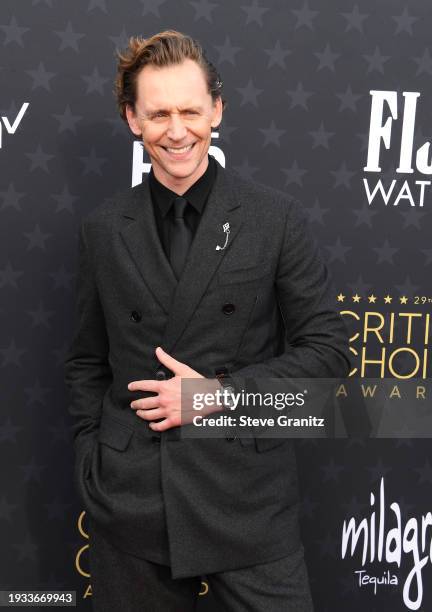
column 243, row 273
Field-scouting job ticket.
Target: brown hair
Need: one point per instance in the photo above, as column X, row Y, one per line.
column 163, row 49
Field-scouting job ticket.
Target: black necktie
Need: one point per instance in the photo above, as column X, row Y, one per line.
column 181, row 237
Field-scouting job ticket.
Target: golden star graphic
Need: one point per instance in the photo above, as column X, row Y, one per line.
column 372, row 299
column 340, row 297
column 356, row 298
column 388, row 299
column 403, row 299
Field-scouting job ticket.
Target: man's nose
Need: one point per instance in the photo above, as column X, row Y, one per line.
column 176, row 128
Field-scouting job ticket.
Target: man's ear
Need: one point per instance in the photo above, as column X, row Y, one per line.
column 217, row 112
column 133, row 121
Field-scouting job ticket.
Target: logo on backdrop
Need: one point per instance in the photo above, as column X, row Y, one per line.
column 386, row 539
column 81, row 557
column 390, row 335
column 392, row 126
column 11, row 128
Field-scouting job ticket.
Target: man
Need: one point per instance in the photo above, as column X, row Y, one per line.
column 195, row 273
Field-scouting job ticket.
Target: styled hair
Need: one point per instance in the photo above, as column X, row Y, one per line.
column 163, row 49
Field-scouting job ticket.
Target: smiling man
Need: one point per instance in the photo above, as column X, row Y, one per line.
column 174, row 114
column 195, row 273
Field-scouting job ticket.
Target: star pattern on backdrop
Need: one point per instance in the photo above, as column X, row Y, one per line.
column 385, row 253
column 424, row 63
column 65, row 200
column 348, row 99
column 299, row 96
column 120, row 41
column 404, row 22
column 13, row 33
column 227, row 52
column 203, row 9
column 305, row 16
column 9, row 276
column 277, row 55
column 41, row 77
column 10, row 198
column 69, row 38
column 321, row 137
column 249, row 94
column 151, row 7
column 355, row 20
column 95, row 82
column 255, row 13
column 316, row 213
column 297, row 78
column 326, row 58
column 67, row 121
column 272, row 135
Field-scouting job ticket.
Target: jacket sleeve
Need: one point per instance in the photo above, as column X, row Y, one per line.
column 87, row 371
column 316, row 341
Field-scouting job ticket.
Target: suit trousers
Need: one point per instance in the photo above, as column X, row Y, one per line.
column 122, row 582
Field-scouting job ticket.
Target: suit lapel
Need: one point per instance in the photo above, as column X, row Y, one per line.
column 141, row 238
column 203, row 259
column 139, row 233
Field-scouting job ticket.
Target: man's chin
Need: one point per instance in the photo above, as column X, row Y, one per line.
column 180, row 170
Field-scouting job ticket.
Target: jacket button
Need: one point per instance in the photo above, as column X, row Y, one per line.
column 135, row 316
column 160, row 375
column 228, row 309
column 155, row 439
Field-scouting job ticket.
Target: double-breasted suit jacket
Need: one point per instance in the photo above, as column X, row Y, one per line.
column 261, row 307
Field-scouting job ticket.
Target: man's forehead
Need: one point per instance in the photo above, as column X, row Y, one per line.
column 167, row 87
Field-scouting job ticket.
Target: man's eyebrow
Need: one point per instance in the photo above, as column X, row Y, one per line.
column 166, row 110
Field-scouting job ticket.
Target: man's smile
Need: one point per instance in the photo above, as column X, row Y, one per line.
column 179, row 151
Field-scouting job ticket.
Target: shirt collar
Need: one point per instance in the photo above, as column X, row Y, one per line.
column 196, row 195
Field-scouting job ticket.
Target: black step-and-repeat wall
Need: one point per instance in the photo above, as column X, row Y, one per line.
column 330, row 102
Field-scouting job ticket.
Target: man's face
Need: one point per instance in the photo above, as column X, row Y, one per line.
column 174, row 110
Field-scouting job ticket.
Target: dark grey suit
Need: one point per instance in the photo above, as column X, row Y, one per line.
column 201, row 506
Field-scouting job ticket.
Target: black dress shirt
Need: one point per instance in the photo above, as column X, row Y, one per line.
column 196, row 195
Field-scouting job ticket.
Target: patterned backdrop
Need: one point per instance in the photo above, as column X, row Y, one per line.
column 319, row 105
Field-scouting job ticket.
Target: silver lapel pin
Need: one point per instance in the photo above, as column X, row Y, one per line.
column 226, row 229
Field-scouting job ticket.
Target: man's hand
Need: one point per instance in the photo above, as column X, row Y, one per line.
column 167, row 403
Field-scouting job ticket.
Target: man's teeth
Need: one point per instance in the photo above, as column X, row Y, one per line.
column 182, row 150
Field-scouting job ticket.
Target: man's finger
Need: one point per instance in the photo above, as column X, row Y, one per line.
column 145, row 385
column 145, row 403
column 149, row 415
column 162, row 425
column 169, row 362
